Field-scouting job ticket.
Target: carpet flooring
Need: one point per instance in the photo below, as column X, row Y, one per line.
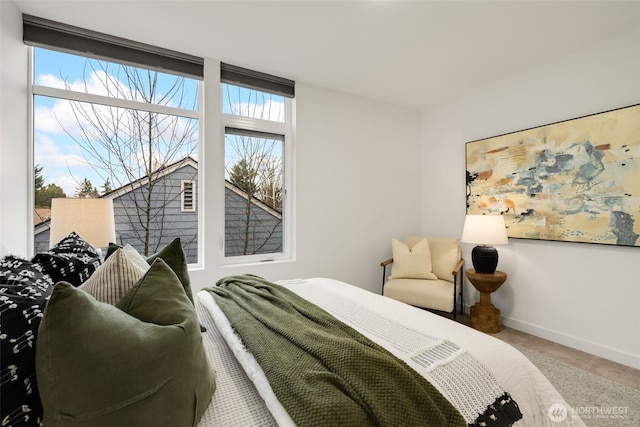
column 602, row 392
column 598, row 401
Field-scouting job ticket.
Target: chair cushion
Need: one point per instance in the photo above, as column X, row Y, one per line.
column 445, row 253
column 432, row 294
column 140, row 363
column 411, row 262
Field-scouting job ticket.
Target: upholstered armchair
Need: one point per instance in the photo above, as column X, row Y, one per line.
column 426, row 272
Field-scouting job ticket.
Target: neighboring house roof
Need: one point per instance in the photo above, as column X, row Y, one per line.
column 41, row 215
column 42, row 226
column 161, row 172
column 262, row 205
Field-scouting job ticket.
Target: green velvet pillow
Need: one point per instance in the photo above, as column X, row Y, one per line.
column 174, row 256
column 141, row 363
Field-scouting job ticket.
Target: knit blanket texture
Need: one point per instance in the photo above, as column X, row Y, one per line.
column 463, row 379
column 323, row 371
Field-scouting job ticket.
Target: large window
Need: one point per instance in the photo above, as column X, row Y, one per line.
column 257, row 119
column 113, row 118
column 127, row 132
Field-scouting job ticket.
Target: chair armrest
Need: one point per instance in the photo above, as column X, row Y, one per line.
column 387, row 262
column 457, row 267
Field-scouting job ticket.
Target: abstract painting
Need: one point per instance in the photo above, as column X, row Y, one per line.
column 573, row 181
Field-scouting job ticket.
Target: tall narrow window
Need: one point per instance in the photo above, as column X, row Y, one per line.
column 258, row 150
column 105, row 128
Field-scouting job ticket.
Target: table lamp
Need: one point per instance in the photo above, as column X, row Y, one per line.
column 484, row 230
column 91, row 219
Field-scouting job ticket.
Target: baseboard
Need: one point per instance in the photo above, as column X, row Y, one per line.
column 590, row 347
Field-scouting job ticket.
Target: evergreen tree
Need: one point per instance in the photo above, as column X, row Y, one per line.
column 38, row 178
column 86, row 190
column 106, row 187
column 243, row 177
column 44, row 195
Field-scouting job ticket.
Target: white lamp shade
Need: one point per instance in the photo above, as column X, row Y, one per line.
column 91, row 219
column 484, row 230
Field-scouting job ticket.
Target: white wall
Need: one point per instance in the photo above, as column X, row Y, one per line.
column 358, row 176
column 581, row 295
column 14, row 176
column 357, row 173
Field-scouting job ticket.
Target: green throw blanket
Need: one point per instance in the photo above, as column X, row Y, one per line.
column 324, row 372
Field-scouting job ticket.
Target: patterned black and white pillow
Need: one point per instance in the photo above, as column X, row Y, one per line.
column 24, row 292
column 72, row 260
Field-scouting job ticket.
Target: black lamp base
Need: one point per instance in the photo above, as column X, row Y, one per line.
column 484, row 259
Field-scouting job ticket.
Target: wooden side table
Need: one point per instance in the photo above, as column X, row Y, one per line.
column 484, row 315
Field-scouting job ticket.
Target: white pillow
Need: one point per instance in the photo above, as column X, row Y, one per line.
column 114, row 277
column 445, row 253
column 411, row 263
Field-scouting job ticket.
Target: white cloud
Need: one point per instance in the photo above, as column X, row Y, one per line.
column 98, row 82
column 270, row 110
column 57, row 166
column 58, row 119
column 47, row 152
column 68, row 183
column 49, row 80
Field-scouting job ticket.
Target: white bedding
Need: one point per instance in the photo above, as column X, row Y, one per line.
column 243, row 396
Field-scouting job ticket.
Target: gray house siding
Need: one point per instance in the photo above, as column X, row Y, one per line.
column 263, row 235
column 167, row 222
column 41, row 238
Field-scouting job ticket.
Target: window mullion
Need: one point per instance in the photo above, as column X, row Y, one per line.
column 113, row 102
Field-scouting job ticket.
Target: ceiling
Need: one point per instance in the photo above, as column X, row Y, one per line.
column 409, row 53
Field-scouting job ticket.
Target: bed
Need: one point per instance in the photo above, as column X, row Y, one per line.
column 144, row 307
column 466, row 366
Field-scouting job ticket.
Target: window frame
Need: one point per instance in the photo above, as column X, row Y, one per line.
column 75, row 96
column 286, row 130
column 211, row 145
